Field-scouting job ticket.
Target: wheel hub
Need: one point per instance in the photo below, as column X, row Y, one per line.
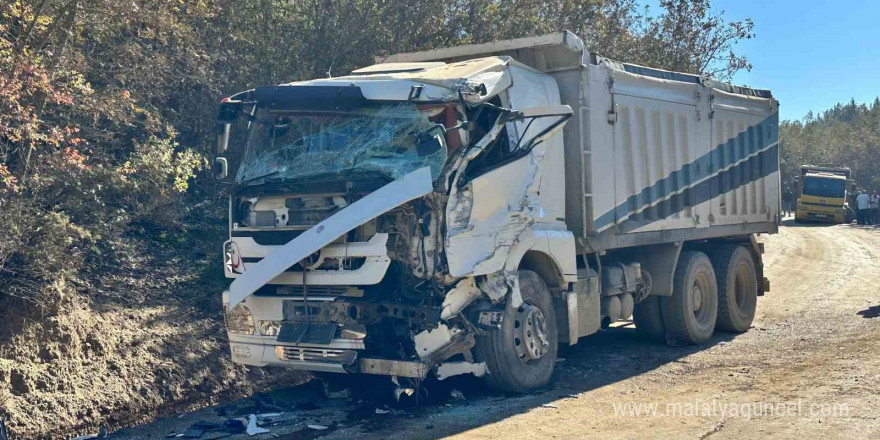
column 530, row 333
column 698, row 297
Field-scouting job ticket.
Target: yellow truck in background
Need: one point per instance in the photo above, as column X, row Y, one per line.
column 821, row 194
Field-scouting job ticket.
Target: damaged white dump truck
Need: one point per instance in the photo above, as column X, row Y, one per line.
column 466, row 210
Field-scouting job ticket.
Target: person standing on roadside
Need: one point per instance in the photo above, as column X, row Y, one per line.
column 863, row 203
column 875, row 208
column 787, row 199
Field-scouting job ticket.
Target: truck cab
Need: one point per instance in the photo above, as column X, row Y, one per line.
column 822, row 194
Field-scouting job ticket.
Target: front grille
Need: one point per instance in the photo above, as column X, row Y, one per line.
column 313, row 354
column 314, row 291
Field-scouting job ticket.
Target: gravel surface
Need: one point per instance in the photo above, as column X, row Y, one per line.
column 808, row 368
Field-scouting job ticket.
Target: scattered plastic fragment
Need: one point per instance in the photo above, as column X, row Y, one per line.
column 343, row 394
column 261, row 417
column 457, row 395
column 194, row 432
column 317, row 427
column 252, row 428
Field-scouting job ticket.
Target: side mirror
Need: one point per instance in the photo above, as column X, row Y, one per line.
column 220, row 168
column 430, row 141
column 229, row 112
column 222, row 137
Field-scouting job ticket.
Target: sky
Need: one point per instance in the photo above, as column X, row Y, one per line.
column 811, row 54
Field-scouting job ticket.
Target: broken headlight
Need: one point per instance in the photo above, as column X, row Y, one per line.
column 270, row 328
column 240, row 321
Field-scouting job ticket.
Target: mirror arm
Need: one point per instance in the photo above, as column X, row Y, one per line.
column 222, row 137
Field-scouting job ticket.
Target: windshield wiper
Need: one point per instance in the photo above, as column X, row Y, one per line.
column 245, row 182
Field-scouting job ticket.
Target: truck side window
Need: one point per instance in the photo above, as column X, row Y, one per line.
column 495, row 153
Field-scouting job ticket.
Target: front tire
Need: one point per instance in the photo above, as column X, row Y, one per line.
column 691, row 312
column 521, row 355
column 738, row 288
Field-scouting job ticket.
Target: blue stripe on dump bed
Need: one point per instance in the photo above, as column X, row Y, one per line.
column 751, row 142
column 755, row 167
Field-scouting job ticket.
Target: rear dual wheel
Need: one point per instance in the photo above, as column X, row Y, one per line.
column 689, row 315
column 738, row 281
column 718, row 291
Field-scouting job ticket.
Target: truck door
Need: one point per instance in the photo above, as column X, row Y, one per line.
column 658, row 157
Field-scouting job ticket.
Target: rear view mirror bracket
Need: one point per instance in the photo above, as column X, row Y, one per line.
column 220, row 168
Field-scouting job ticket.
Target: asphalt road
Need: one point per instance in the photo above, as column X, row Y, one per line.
column 809, row 368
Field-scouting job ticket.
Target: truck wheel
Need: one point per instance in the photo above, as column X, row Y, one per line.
column 520, row 356
column 648, row 320
column 690, row 313
column 738, row 288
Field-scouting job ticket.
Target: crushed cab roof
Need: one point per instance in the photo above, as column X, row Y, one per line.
column 478, row 79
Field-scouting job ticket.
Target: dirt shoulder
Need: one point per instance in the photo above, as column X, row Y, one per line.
column 809, row 368
column 143, row 339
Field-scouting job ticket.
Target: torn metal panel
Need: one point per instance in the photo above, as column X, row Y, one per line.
column 388, row 367
column 485, row 216
column 515, row 294
column 503, row 204
column 449, row 369
column 442, row 343
column 497, row 285
column 429, row 342
column 478, row 80
column 413, row 185
column 459, row 297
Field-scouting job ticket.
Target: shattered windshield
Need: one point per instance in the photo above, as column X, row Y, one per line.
column 301, row 145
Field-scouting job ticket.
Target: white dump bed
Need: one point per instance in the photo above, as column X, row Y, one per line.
column 651, row 156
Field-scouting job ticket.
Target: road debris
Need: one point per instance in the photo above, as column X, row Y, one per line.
column 235, row 425
column 343, row 394
column 318, row 427
column 457, row 395
column 193, row 432
column 392, row 411
column 714, row 429
column 252, row 428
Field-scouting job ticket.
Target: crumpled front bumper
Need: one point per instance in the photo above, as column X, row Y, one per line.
column 340, row 356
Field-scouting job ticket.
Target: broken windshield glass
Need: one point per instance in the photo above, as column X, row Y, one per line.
column 301, row 145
